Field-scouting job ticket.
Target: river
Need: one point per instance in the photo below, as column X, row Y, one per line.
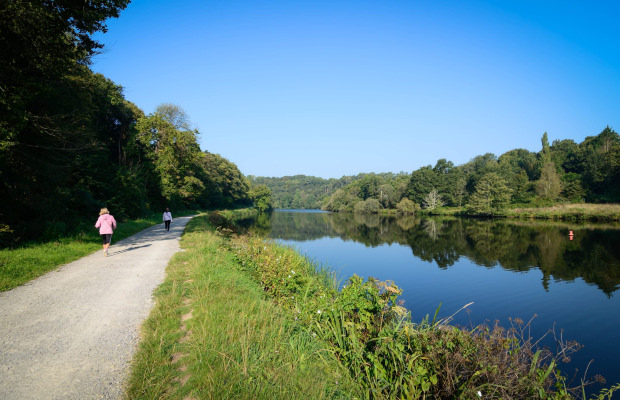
column 508, row 268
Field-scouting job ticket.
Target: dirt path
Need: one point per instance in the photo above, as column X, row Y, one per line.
column 71, row 333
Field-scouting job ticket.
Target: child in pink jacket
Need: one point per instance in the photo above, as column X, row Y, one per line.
column 106, row 224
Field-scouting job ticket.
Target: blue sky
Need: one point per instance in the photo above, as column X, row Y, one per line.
column 333, row 88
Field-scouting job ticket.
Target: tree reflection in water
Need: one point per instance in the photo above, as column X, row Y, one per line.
column 515, row 245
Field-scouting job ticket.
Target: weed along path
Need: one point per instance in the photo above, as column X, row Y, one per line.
column 71, row 333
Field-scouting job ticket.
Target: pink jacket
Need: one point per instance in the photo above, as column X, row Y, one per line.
column 106, row 224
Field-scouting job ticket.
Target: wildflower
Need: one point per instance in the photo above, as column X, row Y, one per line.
column 289, row 276
column 292, row 272
column 479, row 393
column 318, row 312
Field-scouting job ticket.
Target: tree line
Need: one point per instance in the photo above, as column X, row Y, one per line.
column 561, row 172
column 71, row 143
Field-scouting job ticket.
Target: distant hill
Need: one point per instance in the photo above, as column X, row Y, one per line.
column 305, row 192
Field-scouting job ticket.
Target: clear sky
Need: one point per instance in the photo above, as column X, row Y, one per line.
column 333, row 88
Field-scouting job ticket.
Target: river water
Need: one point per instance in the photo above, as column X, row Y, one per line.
column 507, row 268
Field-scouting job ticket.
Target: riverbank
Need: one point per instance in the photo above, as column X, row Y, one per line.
column 379, row 353
column 214, row 334
column 564, row 212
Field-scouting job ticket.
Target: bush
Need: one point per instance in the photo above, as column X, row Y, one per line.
column 369, row 206
column 407, row 206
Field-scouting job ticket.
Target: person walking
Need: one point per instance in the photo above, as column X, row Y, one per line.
column 167, row 219
column 106, row 224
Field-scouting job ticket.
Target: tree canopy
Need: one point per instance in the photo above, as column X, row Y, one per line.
column 71, row 143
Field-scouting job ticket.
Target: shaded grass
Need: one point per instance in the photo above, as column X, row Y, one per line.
column 20, row 265
column 214, row 335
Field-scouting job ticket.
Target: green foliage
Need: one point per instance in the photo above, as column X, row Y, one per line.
column 549, row 186
column 565, row 171
column 492, row 194
column 389, row 356
column 225, row 185
column 421, row 183
column 261, row 195
column 368, row 206
column 175, row 154
column 406, row 206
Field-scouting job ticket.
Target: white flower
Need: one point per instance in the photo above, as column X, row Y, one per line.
column 318, row 312
column 479, row 393
column 292, row 272
column 289, row 276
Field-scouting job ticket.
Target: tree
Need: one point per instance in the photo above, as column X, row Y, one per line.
column 549, row 186
column 422, row 181
column 460, row 191
column 546, row 152
column 491, row 194
column 42, row 42
column 225, row 185
column 175, row 115
column 176, row 156
column 432, row 200
column 261, row 196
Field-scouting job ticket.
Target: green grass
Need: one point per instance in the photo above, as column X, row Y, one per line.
column 20, row 265
column 214, row 335
column 592, row 212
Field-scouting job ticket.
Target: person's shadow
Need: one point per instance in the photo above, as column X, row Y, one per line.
column 129, row 249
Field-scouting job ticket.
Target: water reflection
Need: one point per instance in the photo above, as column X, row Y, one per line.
column 593, row 254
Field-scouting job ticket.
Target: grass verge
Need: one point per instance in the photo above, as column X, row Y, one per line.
column 20, row 265
column 213, row 334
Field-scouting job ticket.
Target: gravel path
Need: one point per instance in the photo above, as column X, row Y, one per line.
column 71, row 333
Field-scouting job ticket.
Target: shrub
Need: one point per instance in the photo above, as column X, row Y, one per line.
column 369, row 206
column 407, row 206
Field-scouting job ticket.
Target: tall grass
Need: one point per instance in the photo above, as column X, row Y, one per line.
column 214, row 335
column 572, row 212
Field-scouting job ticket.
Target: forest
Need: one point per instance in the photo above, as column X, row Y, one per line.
column 70, row 142
column 561, row 172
